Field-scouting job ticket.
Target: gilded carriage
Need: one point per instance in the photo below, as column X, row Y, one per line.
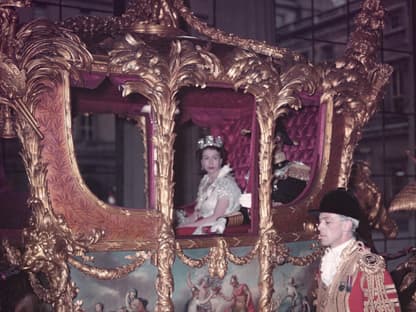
column 144, row 68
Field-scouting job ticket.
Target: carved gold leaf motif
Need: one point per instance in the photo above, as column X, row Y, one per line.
column 41, row 57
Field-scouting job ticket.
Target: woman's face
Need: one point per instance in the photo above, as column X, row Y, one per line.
column 211, row 161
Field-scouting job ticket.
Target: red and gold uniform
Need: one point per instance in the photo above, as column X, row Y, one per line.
column 358, row 282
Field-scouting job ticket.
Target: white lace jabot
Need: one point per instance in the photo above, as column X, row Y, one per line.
column 330, row 262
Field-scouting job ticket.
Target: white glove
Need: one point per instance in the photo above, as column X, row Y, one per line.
column 245, row 200
column 219, row 226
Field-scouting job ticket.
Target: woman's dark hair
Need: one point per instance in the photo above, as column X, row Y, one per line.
column 221, row 151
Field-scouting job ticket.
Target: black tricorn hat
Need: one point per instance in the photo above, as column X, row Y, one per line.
column 342, row 202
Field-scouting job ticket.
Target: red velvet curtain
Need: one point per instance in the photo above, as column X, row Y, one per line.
column 100, row 94
column 229, row 114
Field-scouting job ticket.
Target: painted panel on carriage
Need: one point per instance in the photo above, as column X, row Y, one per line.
column 194, row 290
column 135, row 289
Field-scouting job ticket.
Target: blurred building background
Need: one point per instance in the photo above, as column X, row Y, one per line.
column 318, row 29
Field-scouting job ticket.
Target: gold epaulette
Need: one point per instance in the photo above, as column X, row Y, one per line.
column 371, row 263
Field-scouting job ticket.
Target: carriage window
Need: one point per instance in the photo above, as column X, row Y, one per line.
column 111, row 158
column 215, row 162
column 297, row 151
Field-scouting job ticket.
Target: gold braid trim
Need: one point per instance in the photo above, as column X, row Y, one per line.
column 330, row 298
column 373, row 268
column 355, row 258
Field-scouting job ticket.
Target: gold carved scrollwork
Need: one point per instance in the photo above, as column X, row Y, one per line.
column 164, row 259
column 15, row 3
column 217, row 35
column 159, row 80
column 48, row 240
column 217, row 258
column 114, row 273
column 143, row 16
column 13, row 79
column 306, row 260
column 217, row 264
column 44, row 56
column 267, row 254
column 354, row 84
column 275, row 94
column 47, row 55
column 370, row 199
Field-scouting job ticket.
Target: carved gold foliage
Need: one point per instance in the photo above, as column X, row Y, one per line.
column 275, row 94
column 15, row 3
column 267, row 254
column 145, row 14
column 110, row 273
column 217, row 265
column 45, row 250
column 166, row 16
column 306, row 260
column 219, row 36
column 43, row 53
column 258, row 76
column 354, row 85
column 217, row 258
column 370, row 199
column 187, row 64
column 133, row 55
column 159, row 78
column 164, row 259
column 194, row 263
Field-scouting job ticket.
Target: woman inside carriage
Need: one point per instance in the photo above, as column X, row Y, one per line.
column 218, row 193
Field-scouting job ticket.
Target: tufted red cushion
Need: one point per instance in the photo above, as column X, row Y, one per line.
column 303, row 127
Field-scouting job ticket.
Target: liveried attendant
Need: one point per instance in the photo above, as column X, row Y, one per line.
column 351, row 277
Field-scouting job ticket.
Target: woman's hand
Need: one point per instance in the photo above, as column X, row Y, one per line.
column 219, row 212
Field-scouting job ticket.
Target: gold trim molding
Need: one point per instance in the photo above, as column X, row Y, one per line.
column 37, row 63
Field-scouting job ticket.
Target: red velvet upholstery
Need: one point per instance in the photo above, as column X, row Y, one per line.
column 100, row 95
column 307, row 128
column 226, row 113
column 303, row 127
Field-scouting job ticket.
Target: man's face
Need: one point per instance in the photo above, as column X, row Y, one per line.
column 332, row 229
